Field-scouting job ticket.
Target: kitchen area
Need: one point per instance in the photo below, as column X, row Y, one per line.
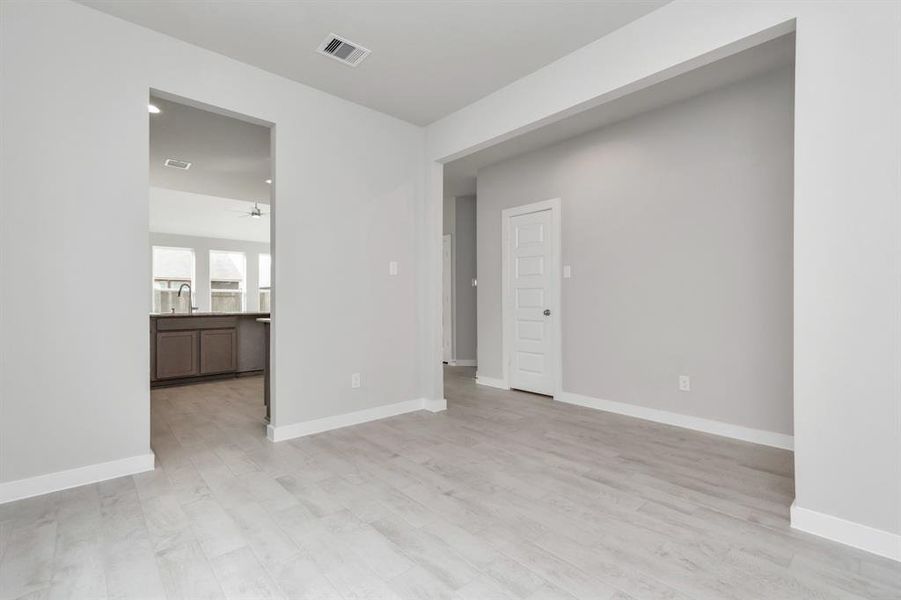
column 188, row 348
column 211, row 287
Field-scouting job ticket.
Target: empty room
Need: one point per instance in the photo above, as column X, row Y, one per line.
column 482, row 300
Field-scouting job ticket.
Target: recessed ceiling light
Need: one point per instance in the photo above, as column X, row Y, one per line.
column 153, row 109
column 269, row 181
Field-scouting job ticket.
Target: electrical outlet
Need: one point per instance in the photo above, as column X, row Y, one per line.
column 684, row 383
column 355, row 380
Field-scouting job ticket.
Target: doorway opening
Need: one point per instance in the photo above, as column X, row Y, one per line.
column 459, row 294
column 211, row 256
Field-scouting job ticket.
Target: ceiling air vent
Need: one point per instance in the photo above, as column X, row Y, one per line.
column 350, row 53
column 177, row 164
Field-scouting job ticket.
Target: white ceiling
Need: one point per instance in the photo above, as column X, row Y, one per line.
column 428, row 58
column 230, row 157
column 185, row 213
column 460, row 175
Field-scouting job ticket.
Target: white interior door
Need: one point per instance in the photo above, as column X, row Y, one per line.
column 531, row 271
column 447, row 302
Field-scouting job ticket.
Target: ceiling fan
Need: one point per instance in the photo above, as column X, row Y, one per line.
column 255, row 212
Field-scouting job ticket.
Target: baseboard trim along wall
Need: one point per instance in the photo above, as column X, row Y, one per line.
column 64, row 480
column 296, row 430
column 862, row 537
column 492, row 382
column 434, row 405
column 746, row 434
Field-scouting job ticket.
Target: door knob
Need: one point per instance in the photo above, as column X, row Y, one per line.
column 547, row 312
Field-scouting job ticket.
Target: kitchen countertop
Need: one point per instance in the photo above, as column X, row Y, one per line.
column 207, row 314
column 264, row 320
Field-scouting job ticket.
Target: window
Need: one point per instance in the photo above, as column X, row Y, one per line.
column 265, row 283
column 172, row 267
column 227, row 276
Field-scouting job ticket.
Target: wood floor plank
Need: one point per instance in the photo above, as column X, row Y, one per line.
column 504, row 496
column 243, row 577
column 27, row 564
column 187, row 574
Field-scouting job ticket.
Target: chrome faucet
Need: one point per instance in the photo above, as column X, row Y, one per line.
column 190, row 296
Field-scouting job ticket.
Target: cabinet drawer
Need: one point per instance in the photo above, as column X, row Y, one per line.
column 218, row 351
column 184, row 323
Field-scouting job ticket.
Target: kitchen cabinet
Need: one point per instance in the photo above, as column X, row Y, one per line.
column 177, row 354
column 218, row 351
column 186, row 348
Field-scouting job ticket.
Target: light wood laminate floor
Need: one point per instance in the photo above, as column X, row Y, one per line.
column 505, row 496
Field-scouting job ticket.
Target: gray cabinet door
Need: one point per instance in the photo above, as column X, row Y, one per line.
column 218, row 351
column 176, row 354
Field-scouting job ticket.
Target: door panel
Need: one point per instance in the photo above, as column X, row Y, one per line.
column 176, row 354
column 529, row 298
column 531, row 362
column 530, row 233
column 530, row 254
column 530, row 331
column 218, row 351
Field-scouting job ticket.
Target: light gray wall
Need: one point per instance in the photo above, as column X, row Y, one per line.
column 464, row 273
column 448, row 220
column 678, row 228
column 74, row 375
column 202, row 247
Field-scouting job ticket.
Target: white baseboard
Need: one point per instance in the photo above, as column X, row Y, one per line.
column 492, row 382
column 863, row 537
column 296, row 430
column 434, row 405
column 756, row 436
column 465, row 362
column 63, row 480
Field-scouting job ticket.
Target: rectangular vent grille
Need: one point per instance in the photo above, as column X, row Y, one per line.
column 350, row 53
column 177, row 164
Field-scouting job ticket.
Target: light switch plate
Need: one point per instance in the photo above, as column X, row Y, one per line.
column 567, row 271
column 392, row 267
column 684, row 383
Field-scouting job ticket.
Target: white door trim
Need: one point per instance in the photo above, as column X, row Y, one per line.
column 554, row 205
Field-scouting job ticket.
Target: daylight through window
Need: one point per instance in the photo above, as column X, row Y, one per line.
column 172, row 267
column 228, row 272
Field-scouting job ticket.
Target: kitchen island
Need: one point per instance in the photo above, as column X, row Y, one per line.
column 191, row 347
